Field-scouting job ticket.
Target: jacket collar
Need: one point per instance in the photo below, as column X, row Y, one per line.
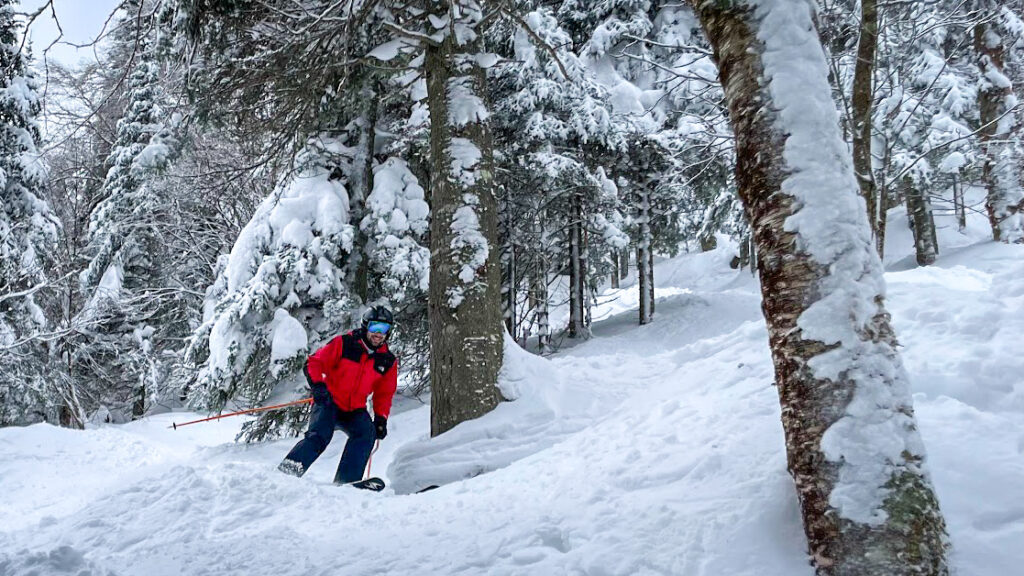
column 360, row 334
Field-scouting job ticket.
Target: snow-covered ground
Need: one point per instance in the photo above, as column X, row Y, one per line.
column 647, row 450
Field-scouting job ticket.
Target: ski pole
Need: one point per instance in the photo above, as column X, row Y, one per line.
column 252, row 411
column 369, row 461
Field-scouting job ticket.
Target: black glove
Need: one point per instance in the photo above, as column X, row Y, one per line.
column 381, row 424
column 320, row 393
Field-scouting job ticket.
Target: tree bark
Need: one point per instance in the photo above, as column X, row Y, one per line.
column 1005, row 199
column 861, row 103
column 464, row 314
column 361, row 184
column 650, row 279
column 509, row 279
column 577, row 271
column 958, row 203
column 645, row 274
column 540, row 288
column 819, row 381
column 922, row 224
column 615, row 270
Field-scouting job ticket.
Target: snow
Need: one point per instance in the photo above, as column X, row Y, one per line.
column 110, row 283
column 388, row 50
column 289, row 337
column 464, row 106
column 465, row 156
column 469, row 245
column 646, row 450
column 309, row 202
column 952, row 163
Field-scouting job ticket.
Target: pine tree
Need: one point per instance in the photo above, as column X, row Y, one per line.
column 279, row 293
column 28, row 233
column 997, row 35
column 128, row 307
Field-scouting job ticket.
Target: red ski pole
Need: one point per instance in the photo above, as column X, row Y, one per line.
column 252, row 411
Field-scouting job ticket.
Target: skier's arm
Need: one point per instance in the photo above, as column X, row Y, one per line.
column 384, row 391
column 317, row 364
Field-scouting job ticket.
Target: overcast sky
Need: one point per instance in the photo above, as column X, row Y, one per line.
column 81, row 20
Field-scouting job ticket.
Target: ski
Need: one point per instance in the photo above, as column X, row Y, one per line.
column 375, row 484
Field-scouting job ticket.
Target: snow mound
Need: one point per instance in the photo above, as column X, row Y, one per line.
column 542, row 409
column 60, row 560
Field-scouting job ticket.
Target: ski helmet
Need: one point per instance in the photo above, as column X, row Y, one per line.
column 378, row 314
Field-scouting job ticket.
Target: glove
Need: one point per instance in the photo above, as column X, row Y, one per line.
column 320, row 393
column 381, row 424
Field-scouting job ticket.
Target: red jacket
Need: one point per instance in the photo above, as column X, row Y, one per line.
column 352, row 371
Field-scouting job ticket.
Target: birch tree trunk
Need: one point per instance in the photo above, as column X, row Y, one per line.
column 644, row 269
column 464, row 303
column 996, row 100
column 851, row 439
column 922, row 224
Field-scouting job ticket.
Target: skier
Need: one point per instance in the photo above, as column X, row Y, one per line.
column 341, row 375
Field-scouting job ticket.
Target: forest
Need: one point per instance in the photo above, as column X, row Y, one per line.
column 232, row 183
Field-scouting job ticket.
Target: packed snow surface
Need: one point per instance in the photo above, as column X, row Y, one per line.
column 647, row 450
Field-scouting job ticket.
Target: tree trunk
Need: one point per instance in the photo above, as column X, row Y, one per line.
column 624, row 266
column 139, row 403
column 922, row 224
column 645, row 275
column 958, row 203
column 868, row 508
column 615, row 270
column 464, row 303
column 1005, row 199
column 577, row 271
column 882, row 198
column 509, row 279
column 861, row 103
column 650, row 279
column 360, row 186
column 540, row 288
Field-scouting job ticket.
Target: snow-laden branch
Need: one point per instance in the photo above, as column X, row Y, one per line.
column 537, row 40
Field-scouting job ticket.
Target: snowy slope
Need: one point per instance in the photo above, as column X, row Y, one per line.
column 648, row 450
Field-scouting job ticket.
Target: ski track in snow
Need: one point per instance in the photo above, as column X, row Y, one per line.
column 647, row 450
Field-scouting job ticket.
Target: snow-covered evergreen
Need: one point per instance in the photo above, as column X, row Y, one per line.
column 28, row 233
column 280, row 293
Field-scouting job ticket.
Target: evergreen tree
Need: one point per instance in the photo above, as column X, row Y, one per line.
column 279, row 293
column 28, row 233
column 998, row 41
column 128, row 307
column 552, row 124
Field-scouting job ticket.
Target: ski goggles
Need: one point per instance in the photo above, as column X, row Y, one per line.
column 378, row 327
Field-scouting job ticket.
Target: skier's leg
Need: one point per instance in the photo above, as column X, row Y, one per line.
column 361, row 434
column 317, row 437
